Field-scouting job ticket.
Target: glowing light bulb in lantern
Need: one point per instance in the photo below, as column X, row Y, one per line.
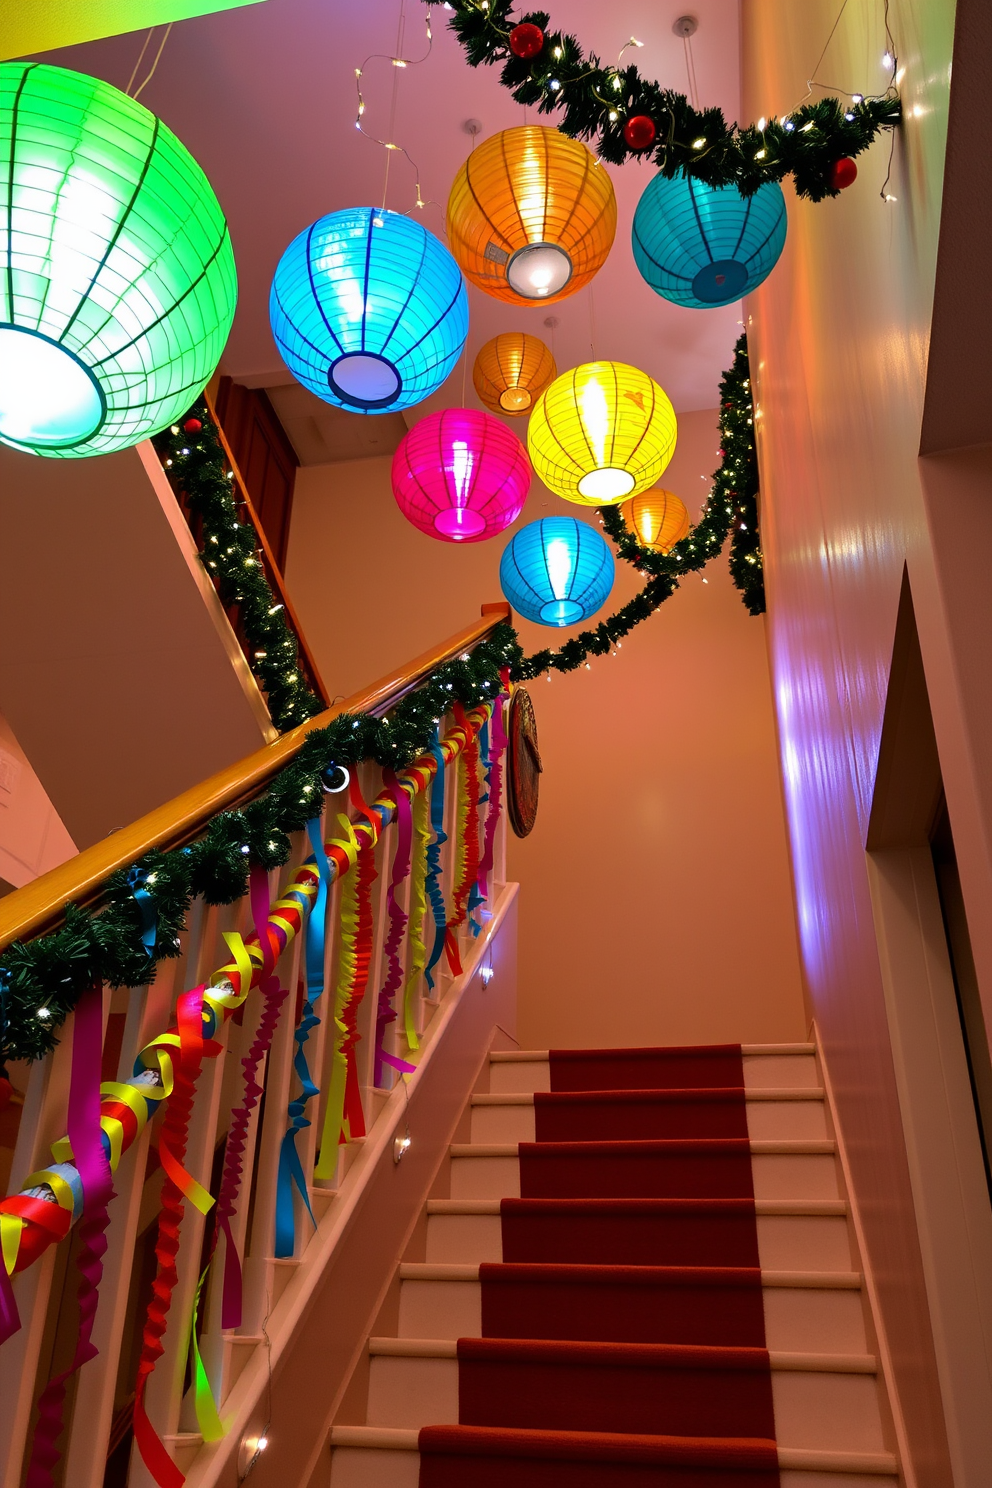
column 460, row 475
column 531, row 216
column 601, row 432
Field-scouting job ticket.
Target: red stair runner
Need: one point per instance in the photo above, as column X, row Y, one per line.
column 624, row 1330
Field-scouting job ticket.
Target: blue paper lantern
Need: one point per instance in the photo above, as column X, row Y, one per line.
column 703, row 245
column 369, row 310
column 557, row 571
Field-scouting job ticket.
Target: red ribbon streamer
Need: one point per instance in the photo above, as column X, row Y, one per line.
column 172, row 1143
column 90, row 1157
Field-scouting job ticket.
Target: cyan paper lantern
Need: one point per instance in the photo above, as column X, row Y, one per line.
column 556, row 571
column 703, row 246
column 117, row 281
column 369, row 310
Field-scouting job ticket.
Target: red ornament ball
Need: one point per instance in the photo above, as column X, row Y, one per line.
column 192, row 426
column 842, row 173
column 639, row 132
column 526, row 40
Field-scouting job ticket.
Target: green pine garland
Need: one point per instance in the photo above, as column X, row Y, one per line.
column 732, row 505
column 41, row 980
column 805, row 144
column 196, row 465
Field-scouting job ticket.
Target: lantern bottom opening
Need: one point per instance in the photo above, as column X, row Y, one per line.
column 607, row 484
column 49, row 398
column 365, row 380
column 459, row 522
column 561, row 612
column 539, row 270
column 515, row 400
column 720, row 282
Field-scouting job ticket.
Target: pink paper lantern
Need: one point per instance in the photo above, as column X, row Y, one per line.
column 461, row 475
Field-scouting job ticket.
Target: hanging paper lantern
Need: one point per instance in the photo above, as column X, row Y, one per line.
column 531, row 215
column 511, row 371
column 118, row 281
column 703, row 245
column 461, row 475
column 657, row 518
column 369, row 310
column 601, row 432
column 557, row 571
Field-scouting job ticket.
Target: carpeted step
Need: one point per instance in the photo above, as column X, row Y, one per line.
column 624, row 1304
column 706, row 1168
column 629, row 1387
column 630, row 1232
column 639, row 1115
column 676, row 1068
column 455, row 1456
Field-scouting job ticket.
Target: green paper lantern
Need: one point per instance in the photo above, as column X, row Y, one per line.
column 117, row 279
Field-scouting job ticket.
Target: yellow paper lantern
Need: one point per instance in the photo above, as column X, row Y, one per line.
column 511, row 371
column 657, row 518
column 600, row 433
column 531, row 215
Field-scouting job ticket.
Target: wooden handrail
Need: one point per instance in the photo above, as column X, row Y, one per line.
column 39, row 905
column 307, row 663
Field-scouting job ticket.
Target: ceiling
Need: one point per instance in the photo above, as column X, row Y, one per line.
column 265, row 98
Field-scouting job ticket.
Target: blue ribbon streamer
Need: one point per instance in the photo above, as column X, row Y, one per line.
column 290, row 1167
column 136, row 880
column 432, row 880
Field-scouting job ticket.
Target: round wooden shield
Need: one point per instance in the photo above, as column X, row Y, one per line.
column 524, row 759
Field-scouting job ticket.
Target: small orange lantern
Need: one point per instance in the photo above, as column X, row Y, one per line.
column 531, row 216
column 511, row 371
column 657, row 518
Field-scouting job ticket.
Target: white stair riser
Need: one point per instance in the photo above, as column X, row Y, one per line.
column 364, row 1467
column 766, row 1120
column 761, row 1072
column 827, row 1412
column 775, row 1176
column 785, row 1242
column 357, row 1467
column 797, row 1319
column 815, row 1411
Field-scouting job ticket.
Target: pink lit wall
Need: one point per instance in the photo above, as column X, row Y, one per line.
column 656, row 904
column 839, row 351
column 33, row 837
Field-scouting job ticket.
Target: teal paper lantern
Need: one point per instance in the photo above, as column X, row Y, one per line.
column 117, row 280
column 704, row 246
column 369, row 310
column 556, row 571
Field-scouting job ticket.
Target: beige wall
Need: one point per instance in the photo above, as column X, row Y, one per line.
column 655, row 902
column 32, row 835
column 839, row 340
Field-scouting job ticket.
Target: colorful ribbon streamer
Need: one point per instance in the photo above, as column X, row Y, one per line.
column 385, row 1011
column 91, row 1158
column 418, row 909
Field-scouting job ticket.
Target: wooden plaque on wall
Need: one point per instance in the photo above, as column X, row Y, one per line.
column 524, row 763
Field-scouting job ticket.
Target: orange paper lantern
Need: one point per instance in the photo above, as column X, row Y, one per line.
column 657, row 518
column 511, row 371
column 531, row 215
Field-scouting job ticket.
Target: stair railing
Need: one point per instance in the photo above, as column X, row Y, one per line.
column 263, row 993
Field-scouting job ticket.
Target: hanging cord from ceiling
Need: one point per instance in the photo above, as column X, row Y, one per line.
column 399, row 62
column 151, row 72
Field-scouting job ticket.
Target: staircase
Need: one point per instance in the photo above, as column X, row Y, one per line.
column 589, row 1308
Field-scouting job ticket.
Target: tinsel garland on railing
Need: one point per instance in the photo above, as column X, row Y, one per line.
column 732, row 504
column 592, row 100
column 41, row 980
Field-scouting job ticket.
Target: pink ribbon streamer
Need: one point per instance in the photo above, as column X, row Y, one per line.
column 495, row 796
column 385, row 1012
column 230, row 1185
column 93, row 1165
